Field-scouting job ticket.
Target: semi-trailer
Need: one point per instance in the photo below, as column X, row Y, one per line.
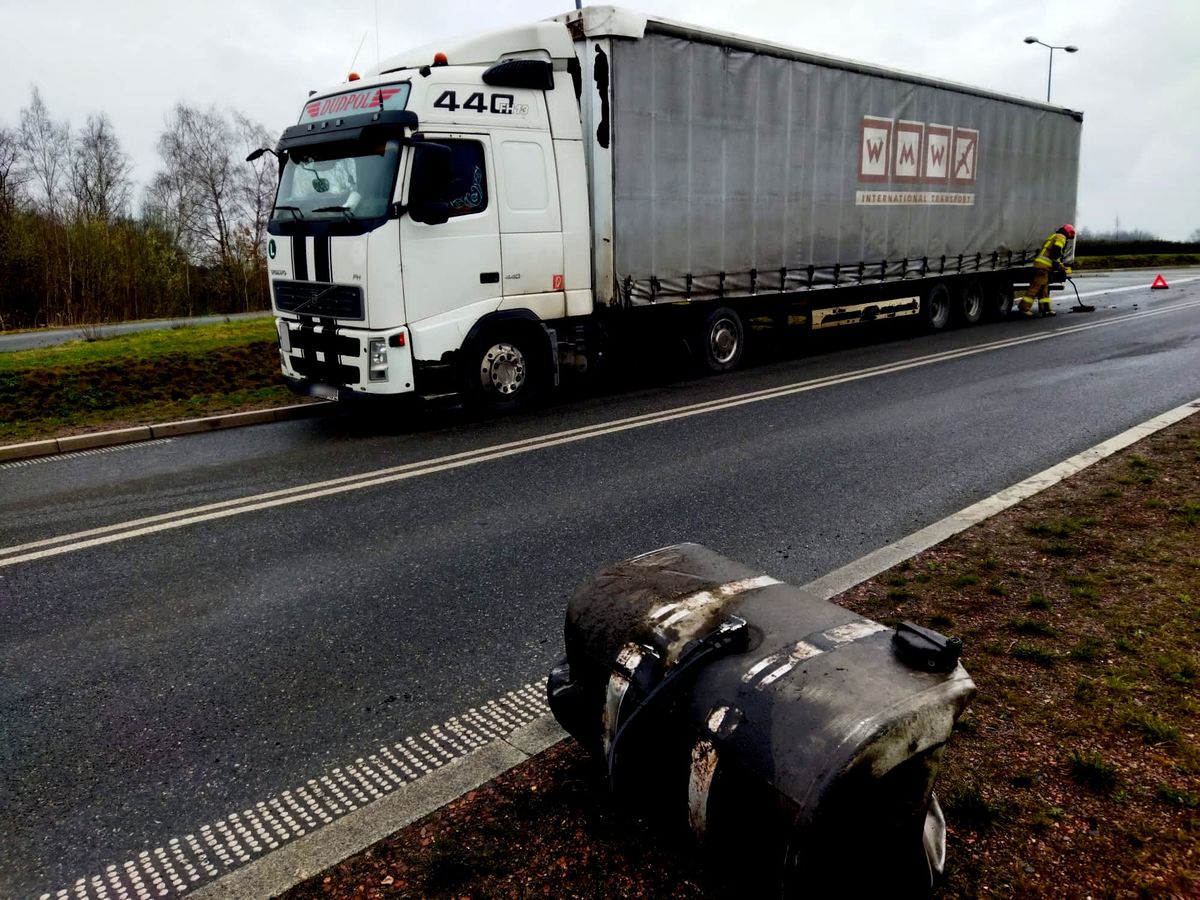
column 477, row 215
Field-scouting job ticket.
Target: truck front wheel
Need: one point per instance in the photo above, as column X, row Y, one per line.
column 504, row 376
column 721, row 341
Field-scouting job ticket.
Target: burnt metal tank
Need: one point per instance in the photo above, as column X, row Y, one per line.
column 799, row 738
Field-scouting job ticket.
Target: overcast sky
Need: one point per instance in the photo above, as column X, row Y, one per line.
column 1136, row 76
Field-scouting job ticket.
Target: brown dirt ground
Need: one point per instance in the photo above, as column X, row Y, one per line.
column 53, row 402
column 1075, row 773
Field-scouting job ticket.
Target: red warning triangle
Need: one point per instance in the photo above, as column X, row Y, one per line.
column 1160, row 283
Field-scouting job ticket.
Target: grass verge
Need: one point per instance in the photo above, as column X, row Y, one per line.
column 1074, row 773
column 150, row 376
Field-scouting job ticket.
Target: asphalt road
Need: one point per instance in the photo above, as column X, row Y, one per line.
column 150, row 682
column 48, row 337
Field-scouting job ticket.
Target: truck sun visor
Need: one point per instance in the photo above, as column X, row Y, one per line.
column 536, row 74
column 389, row 122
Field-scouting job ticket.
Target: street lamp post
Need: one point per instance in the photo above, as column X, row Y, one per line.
column 1050, row 74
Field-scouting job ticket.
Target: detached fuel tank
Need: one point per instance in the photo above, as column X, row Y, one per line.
column 792, row 733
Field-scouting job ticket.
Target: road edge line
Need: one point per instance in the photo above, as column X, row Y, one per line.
column 852, row 574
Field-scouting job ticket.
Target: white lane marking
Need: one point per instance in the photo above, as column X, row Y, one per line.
column 182, row 863
column 866, row 567
column 209, row 512
column 76, row 454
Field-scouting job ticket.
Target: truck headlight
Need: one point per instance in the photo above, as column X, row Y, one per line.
column 377, row 354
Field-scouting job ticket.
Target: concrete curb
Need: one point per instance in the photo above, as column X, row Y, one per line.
column 10, row 452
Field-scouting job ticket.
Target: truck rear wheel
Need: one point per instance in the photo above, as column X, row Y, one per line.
column 1002, row 300
column 970, row 302
column 935, row 307
column 721, row 341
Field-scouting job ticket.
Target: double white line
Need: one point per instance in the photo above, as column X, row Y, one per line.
column 108, row 534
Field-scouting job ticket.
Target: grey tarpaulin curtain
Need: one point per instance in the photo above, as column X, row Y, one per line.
column 729, row 161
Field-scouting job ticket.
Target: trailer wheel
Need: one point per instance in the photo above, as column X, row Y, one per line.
column 970, row 303
column 1002, row 301
column 935, row 307
column 721, row 340
column 504, row 375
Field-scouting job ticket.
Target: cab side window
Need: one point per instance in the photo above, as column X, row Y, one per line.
column 468, row 192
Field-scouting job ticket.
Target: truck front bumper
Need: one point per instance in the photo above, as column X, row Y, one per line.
column 329, row 361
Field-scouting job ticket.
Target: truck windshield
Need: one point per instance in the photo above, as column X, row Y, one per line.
column 338, row 181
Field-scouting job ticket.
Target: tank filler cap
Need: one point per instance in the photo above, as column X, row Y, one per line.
column 924, row 648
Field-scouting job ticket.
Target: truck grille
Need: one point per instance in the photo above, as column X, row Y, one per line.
column 315, row 298
column 340, row 344
column 326, row 372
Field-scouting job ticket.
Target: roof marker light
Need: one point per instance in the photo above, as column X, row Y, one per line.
column 439, row 59
column 353, row 76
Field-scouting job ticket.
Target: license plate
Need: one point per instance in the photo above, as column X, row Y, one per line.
column 324, row 391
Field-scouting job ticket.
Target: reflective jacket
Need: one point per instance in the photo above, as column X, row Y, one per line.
column 1051, row 253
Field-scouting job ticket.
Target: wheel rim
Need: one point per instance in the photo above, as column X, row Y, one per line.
column 503, row 370
column 972, row 303
column 723, row 340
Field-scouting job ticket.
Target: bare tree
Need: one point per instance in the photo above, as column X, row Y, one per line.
column 195, row 149
column 100, row 182
column 256, row 190
column 46, row 148
column 215, row 202
column 12, row 173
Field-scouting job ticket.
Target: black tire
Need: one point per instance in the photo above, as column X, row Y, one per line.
column 936, row 307
column 720, row 341
column 1002, row 300
column 971, row 303
column 504, row 372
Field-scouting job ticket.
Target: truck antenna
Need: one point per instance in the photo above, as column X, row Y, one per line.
column 359, row 50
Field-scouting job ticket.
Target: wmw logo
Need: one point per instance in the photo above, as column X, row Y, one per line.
column 907, row 152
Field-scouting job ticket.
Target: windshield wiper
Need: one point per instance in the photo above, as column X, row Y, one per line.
column 344, row 210
column 295, row 210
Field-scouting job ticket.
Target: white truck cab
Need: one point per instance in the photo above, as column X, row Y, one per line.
column 432, row 221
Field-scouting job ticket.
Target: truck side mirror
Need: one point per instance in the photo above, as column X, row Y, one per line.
column 428, row 183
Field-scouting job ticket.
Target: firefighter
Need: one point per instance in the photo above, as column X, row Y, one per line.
column 1048, row 259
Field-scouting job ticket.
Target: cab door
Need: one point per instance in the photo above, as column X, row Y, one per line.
column 531, row 239
column 457, row 263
